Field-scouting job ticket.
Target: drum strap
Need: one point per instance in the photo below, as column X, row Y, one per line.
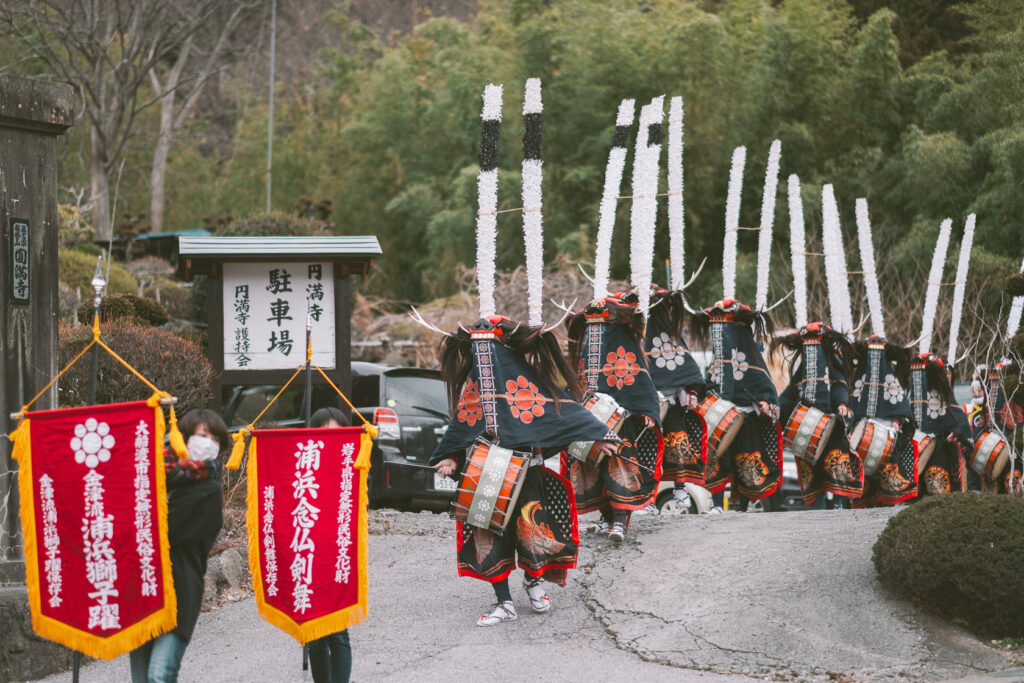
column 491, row 478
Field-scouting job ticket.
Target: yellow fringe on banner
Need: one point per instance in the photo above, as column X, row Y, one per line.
column 88, row 644
column 335, row 621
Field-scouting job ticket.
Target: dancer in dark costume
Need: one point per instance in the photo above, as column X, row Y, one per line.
column 820, row 367
column 993, row 411
column 938, row 416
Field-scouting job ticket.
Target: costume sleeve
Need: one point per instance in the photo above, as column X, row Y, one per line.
column 788, row 400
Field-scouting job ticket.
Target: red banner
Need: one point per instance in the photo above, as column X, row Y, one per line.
column 94, row 516
column 308, row 529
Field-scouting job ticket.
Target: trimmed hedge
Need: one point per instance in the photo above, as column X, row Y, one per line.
column 272, row 224
column 959, row 554
column 77, row 269
column 1014, row 284
column 171, row 363
column 118, row 306
column 174, row 297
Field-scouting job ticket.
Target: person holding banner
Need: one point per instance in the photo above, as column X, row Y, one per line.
column 195, row 517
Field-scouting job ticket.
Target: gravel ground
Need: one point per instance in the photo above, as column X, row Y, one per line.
column 728, row 598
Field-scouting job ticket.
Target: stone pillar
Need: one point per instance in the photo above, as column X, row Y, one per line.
column 32, row 115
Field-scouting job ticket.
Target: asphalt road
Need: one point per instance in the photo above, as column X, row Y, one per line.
column 734, row 597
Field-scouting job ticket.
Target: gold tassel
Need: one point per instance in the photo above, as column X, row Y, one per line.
column 176, row 439
column 238, row 450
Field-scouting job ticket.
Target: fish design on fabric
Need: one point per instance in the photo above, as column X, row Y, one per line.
column 936, row 480
column 891, row 480
column 751, row 469
column 806, row 472
column 536, row 536
column 483, row 542
column 582, row 478
column 840, row 466
column 624, row 474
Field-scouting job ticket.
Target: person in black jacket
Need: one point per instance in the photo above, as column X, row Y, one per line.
column 194, row 518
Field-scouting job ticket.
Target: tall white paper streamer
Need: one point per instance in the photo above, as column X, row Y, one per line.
column 798, row 250
column 644, row 211
column 487, row 199
column 676, row 226
column 764, row 240
column 931, row 299
column 1013, row 322
column 835, row 263
column 612, row 184
column 533, row 231
column 732, row 222
column 960, row 288
column 867, row 260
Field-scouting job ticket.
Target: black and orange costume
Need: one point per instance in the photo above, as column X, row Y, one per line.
column 937, row 414
column 677, row 376
column 605, row 344
column 821, row 363
column 738, row 373
column 995, row 412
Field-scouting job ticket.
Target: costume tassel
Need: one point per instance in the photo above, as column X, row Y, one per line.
column 867, row 260
column 798, row 249
column 1013, row 322
column 835, row 263
column 533, row 227
column 176, row 440
column 644, row 211
column 487, row 199
column 676, row 226
column 931, row 299
column 764, row 240
column 732, row 222
column 961, row 286
column 612, row 184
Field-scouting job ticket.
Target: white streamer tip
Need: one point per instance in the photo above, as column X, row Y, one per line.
column 739, row 156
column 675, row 108
column 862, row 212
column 531, row 102
column 492, row 103
column 627, row 109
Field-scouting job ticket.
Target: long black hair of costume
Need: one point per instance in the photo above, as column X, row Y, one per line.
column 898, row 357
column 761, row 324
column 838, row 351
column 935, row 371
column 618, row 314
column 539, row 349
column 667, row 311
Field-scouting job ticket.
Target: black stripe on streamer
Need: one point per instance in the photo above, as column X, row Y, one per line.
column 621, row 136
column 653, row 134
column 531, row 136
column 489, row 130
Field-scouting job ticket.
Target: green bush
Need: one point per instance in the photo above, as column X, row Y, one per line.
column 174, row 297
column 960, row 555
column 117, row 306
column 1014, row 284
column 77, row 269
column 171, row 363
column 272, row 224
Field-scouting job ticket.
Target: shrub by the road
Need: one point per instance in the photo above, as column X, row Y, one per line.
column 961, row 555
column 117, row 306
column 171, row 363
column 77, row 269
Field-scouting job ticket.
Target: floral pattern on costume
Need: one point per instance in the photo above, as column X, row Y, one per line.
column 667, row 354
column 893, row 391
column 739, row 364
column 936, row 406
column 470, row 410
column 621, row 368
column 524, row 399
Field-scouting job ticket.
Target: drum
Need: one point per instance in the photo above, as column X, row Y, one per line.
column 990, row 455
column 610, row 414
column 489, row 486
column 926, row 445
column 874, row 441
column 723, row 419
column 807, row 431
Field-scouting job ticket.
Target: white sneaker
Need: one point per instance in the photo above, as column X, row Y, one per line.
column 539, row 600
column 715, row 511
column 617, row 533
column 599, row 527
column 651, row 509
column 682, row 500
column 503, row 611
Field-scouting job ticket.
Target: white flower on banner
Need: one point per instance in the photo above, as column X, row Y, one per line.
column 739, row 364
column 667, row 354
column 936, row 406
column 893, row 391
column 92, row 442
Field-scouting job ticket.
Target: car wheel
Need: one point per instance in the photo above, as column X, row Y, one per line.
column 667, row 505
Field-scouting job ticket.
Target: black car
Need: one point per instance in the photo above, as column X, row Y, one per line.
column 409, row 406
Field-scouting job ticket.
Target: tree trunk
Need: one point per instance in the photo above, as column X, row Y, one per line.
column 100, row 191
column 159, row 173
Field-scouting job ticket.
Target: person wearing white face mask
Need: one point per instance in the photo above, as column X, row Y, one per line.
column 194, row 518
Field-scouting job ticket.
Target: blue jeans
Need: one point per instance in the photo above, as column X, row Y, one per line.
column 158, row 660
column 330, row 658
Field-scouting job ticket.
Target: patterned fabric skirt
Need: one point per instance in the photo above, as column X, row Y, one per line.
column 543, row 532
column 686, row 446
column 837, row 471
column 615, row 481
column 945, row 471
column 753, row 460
column 894, row 482
column 1008, row 482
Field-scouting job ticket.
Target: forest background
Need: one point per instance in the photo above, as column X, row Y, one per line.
column 917, row 105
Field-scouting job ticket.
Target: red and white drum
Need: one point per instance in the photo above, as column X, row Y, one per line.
column 489, row 486
column 926, row 445
column 807, row 431
column 609, row 413
column 875, row 442
column 990, row 455
column 723, row 419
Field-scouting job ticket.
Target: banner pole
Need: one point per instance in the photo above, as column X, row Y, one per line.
column 307, row 403
column 99, row 283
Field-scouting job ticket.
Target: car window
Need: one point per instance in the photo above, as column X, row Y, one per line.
column 287, row 409
column 415, row 395
column 365, row 390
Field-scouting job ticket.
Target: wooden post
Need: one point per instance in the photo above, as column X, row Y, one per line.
column 32, row 115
